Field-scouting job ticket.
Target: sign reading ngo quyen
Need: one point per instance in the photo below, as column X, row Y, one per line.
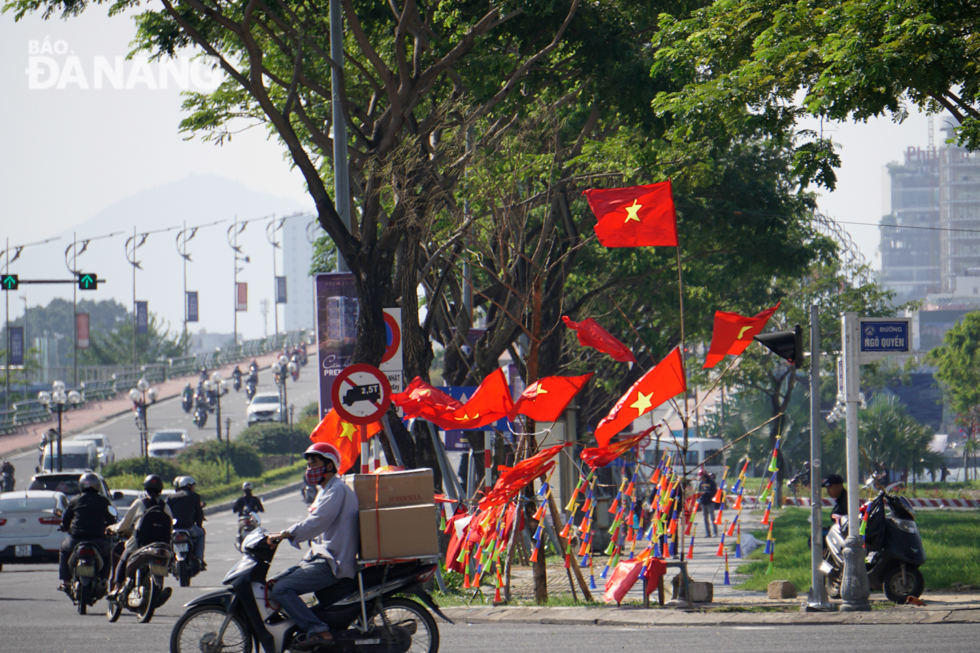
column 885, row 336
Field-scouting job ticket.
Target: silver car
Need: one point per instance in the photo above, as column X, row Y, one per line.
column 30, row 522
column 102, row 444
column 167, row 444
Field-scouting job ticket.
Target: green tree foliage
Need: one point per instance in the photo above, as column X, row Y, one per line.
column 274, row 438
column 852, row 59
column 165, row 469
column 57, row 320
column 957, row 363
column 244, row 459
column 115, row 346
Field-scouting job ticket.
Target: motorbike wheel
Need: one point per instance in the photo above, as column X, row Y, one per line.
column 149, row 597
column 113, row 610
column 184, row 573
column 197, row 631
column 412, row 615
column 899, row 589
column 81, row 598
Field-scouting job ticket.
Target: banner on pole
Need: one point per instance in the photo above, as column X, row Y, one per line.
column 280, row 290
column 15, row 345
column 82, row 330
column 337, row 310
column 241, row 296
column 142, row 317
column 192, row 311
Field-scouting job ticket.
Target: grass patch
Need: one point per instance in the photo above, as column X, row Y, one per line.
column 949, row 539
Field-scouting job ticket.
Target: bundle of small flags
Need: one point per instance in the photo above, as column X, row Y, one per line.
column 767, row 517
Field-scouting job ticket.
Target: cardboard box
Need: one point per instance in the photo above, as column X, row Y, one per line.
column 406, row 531
column 409, row 488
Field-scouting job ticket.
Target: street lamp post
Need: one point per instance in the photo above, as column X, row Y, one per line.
column 142, row 396
column 219, row 387
column 281, row 368
column 55, row 401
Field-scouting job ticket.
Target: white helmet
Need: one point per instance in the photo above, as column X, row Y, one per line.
column 185, row 481
column 246, row 486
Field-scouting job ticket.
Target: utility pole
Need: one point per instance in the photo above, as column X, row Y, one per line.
column 341, row 182
column 182, row 239
column 132, row 244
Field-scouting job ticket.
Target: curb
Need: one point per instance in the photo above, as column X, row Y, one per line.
column 271, row 494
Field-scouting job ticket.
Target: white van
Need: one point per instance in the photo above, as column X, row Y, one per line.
column 699, row 450
column 76, row 456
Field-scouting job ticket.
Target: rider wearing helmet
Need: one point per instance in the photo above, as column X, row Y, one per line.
column 188, row 512
column 247, row 501
column 333, row 527
column 153, row 488
column 85, row 520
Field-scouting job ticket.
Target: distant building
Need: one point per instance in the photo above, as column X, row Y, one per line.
column 203, row 342
column 959, row 213
column 297, row 255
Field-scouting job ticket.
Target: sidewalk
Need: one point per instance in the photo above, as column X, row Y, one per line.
column 97, row 412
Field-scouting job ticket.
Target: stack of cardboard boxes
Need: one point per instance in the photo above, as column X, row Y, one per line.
column 397, row 514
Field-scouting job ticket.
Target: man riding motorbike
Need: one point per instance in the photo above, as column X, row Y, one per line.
column 247, row 501
column 153, row 486
column 236, row 377
column 85, row 520
column 333, row 527
column 187, row 398
column 7, row 474
column 188, row 512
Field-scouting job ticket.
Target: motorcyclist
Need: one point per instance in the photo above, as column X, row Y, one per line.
column 85, row 520
column 7, row 471
column 247, row 501
column 236, row 376
column 204, row 374
column 188, row 394
column 188, row 513
column 835, row 489
column 253, row 373
column 332, row 525
column 153, row 486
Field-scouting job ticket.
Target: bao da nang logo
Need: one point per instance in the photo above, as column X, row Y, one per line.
column 51, row 65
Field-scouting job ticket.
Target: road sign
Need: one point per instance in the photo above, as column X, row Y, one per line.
column 361, row 394
column 9, row 281
column 88, row 281
column 880, row 337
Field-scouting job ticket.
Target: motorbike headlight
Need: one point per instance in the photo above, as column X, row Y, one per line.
column 907, row 525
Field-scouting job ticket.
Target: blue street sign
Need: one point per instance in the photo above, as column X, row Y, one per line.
column 885, row 336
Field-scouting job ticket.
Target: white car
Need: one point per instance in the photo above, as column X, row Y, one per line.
column 264, row 407
column 29, row 526
column 167, row 444
column 106, row 455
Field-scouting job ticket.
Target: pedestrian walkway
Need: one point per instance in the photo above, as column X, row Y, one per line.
column 97, row 412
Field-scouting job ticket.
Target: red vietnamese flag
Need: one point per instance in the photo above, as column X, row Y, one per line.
column 546, row 399
column 514, row 479
column 638, row 216
column 490, row 402
column 343, row 435
column 733, row 333
column 420, row 397
column 601, row 456
column 590, row 334
column 654, row 388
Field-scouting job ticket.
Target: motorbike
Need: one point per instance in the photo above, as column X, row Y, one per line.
column 236, row 382
column 187, row 403
column 363, row 613
column 246, row 524
column 801, row 480
column 201, row 414
column 295, row 372
column 143, row 592
column 86, row 586
column 894, row 550
column 184, row 565
column 309, row 493
column 6, row 482
column 250, row 388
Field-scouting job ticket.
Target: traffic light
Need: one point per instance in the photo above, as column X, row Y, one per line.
column 785, row 344
column 88, row 281
column 9, row 281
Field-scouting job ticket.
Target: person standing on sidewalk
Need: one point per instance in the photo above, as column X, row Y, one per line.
column 707, row 489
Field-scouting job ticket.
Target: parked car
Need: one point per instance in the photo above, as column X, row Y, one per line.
column 106, row 455
column 76, row 456
column 29, row 526
column 264, row 407
column 167, row 444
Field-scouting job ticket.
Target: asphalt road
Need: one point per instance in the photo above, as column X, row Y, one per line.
column 168, row 414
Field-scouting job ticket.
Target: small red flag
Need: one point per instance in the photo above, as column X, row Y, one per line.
column 590, row 334
column 601, row 456
column 733, row 333
column 343, row 435
column 545, row 400
column 654, row 388
column 420, row 397
column 638, row 216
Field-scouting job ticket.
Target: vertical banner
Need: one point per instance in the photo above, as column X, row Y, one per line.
column 336, row 327
column 142, row 318
column 81, row 330
column 192, row 314
column 281, row 290
column 241, row 296
column 15, row 345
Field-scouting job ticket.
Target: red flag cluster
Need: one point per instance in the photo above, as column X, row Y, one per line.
column 343, row 435
column 514, row 479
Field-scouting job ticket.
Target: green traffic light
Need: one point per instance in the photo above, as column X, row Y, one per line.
column 88, row 281
column 9, row 281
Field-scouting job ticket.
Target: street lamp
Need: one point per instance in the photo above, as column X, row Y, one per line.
column 218, row 387
column 281, row 368
column 142, row 396
column 55, row 401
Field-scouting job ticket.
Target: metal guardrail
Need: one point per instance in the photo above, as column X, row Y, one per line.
column 7, row 422
column 30, row 412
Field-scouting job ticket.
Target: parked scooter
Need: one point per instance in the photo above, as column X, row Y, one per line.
column 894, row 549
column 370, row 620
column 246, row 524
column 143, row 592
column 185, row 564
column 86, row 585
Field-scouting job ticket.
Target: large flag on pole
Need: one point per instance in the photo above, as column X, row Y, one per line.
column 638, row 216
column 590, row 334
column 733, row 333
column 654, row 388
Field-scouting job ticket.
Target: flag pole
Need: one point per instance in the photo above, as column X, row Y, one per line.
column 683, row 526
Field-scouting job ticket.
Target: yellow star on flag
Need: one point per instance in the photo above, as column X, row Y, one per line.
column 642, row 402
column 742, row 332
column 631, row 212
column 347, row 430
column 537, row 389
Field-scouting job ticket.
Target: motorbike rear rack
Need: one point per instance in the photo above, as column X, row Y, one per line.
column 364, row 564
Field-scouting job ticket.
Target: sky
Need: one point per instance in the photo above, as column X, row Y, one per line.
column 83, row 132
